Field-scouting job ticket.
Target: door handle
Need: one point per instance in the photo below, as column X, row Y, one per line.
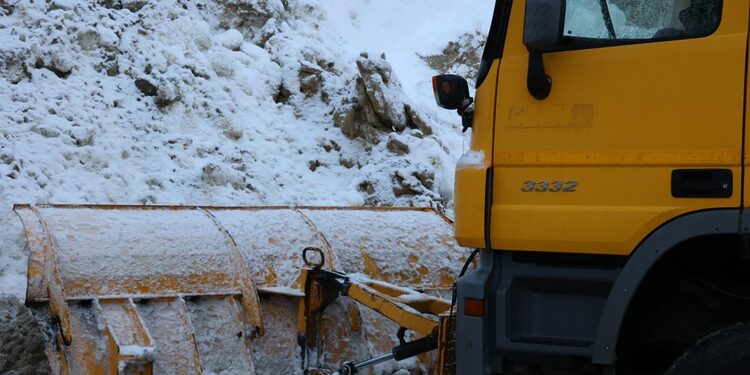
column 702, row 183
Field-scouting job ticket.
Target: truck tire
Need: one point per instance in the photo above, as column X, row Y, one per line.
column 724, row 352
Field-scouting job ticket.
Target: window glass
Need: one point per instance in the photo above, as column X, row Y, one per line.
column 629, row 20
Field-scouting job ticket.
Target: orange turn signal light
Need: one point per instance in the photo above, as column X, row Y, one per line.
column 434, row 84
column 473, row 307
column 447, row 88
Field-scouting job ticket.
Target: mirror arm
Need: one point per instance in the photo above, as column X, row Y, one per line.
column 467, row 114
column 537, row 81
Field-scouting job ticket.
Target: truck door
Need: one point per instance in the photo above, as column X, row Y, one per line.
column 643, row 123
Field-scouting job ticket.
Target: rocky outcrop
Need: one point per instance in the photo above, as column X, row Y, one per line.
column 380, row 105
column 460, row 57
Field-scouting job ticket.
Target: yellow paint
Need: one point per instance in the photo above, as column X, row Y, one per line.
column 471, row 180
column 600, row 217
column 618, row 121
column 391, row 309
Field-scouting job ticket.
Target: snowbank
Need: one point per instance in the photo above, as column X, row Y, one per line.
column 228, row 102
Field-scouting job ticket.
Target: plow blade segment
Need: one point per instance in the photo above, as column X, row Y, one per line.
column 180, row 289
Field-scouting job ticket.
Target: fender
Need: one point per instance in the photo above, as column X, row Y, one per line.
column 646, row 255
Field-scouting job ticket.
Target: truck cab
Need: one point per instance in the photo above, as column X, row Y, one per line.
column 605, row 186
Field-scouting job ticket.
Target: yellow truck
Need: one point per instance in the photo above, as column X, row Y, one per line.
column 609, row 200
column 603, row 193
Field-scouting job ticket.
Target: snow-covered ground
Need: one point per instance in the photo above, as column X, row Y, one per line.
column 218, row 102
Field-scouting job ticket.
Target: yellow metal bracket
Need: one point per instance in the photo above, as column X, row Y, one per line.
column 33, row 224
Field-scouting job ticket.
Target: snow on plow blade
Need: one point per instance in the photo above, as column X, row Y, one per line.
column 192, row 290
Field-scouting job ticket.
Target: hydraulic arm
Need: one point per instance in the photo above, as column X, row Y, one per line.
column 414, row 311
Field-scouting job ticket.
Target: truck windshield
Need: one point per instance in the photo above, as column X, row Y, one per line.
column 638, row 20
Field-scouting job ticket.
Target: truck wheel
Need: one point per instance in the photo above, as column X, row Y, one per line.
column 724, row 352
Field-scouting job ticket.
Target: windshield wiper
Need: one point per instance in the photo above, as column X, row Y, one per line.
column 607, row 19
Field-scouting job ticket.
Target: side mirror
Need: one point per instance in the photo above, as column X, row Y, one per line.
column 543, row 26
column 542, row 32
column 451, row 91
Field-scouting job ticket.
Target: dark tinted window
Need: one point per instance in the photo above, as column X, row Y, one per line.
column 611, row 22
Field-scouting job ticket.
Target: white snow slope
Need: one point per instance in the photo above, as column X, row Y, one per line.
column 74, row 128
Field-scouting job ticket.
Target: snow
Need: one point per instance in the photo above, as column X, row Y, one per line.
column 76, row 128
column 137, row 351
column 471, row 159
column 584, row 18
column 408, row 295
column 231, row 39
column 282, row 290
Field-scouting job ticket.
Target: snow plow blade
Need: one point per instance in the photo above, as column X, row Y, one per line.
column 193, row 290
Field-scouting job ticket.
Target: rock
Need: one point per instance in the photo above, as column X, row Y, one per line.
column 231, row 39
column 460, row 57
column 45, row 132
column 108, row 39
column 7, row 158
column 354, row 124
column 15, row 70
column 384, row 91
column 63, row 62
column 146, row 87
column 131, row 5
column 154, row 183
column 309, row 80
column 418, row 182
column 345, row 119
column 82, row 137
column 21, row 340
column 223, row 67
column 266, row 33
column 346, row 163
column 62, row 5
column 405, row 186
column 368, row 111
column 167, row 93
column 60, row 63
column 380, row 105
column 233, row 134
column 314, row 164
column 247, row 15
column 282, row 95
column 114, row 69
column 426, row 178
column 397, row 147
column 88, row 40
column 203, row 43
column 214, row 176
column 366, row 187
column 417, row 120
column 5, row 8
